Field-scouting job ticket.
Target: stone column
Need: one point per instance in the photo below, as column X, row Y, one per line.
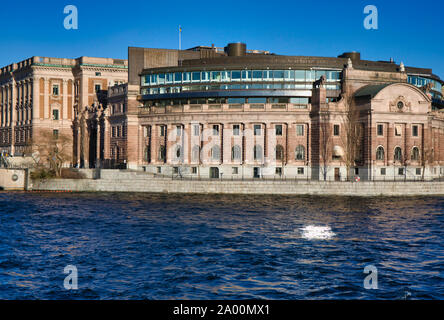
column 46, row 99
column 65, row 100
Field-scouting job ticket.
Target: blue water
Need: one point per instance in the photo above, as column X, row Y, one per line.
column 137, row 246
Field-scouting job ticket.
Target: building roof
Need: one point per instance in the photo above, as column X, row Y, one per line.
column 371, row 90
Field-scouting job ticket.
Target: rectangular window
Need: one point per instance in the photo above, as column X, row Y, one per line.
column 55, row 90
column 278, row 129
column 236, row 100
column 178, row 131
column 356, row 171
column 257, row 75
column 196, row 76
column 301, row 170
column 55, row 114
column 178, row 77
column 398, row 130
column 98, row 87
column 162, row 131
column 383, row 171
column 196, row 130
column 415, row 131
column 98, row 74
column 159, row 169
column 418, row 171
column 235, row 170
column 401, row 171
column 215, row 76
column 216, row 130
column 236, row 130
column 176, row 170
column 55, row 134
column 300, row 130
column 380, row 129
column 257, row 129
column 257, row 100
column 235, row 76
column 113, row 132
column 279, row 171
column 336, row 130
column 194, row 170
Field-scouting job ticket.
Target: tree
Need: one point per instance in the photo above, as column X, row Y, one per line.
column 325, row 141
column 54, row 150
column 352, row 135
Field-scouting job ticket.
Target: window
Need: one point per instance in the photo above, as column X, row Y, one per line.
column 194, row 170
column 215, row 130
column 278, row 129
column 176, row 170
column 113, row 130
column 98, row 87
column 415, row 131
column 380, row 154
column 236, row 153
column 257, row 129
column 257, row 100
column 301, row 171
column 235, row 170
column 418, row 171
column 179, row 131
column 380, row 129
column 55, row 134
column 415, row 154
column 257, row 152
column 162, row 131
column 300, row 153
column 99, row 74
column 215, row 153
column 236, row 100
column 162, row 153
column 196, row 130
column 178, row 153
column 236, row 130
column 55, row 90
column 336, row 130
column 159, row 169
column 398, row 154
column 356, row 171
column 383, row 171
column 300, row 130
column 279, row 171
column 279, row 152
column 398, row 130
column 55, row 114
column 401, row 171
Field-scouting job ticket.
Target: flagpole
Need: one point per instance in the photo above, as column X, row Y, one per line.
column 180, row 37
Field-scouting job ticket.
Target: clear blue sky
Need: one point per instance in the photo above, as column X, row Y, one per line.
column 409, row 31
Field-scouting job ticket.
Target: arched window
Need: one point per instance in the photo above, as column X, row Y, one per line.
column 195, row 156
column 162, row 153
column 398, row 154
column 236, row 153
column 380, row 154
column 300, row 153
column 279, row 152
column 257, row 152
column 415, row 154
column 215, row 153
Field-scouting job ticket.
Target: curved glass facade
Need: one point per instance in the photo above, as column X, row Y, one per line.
column 421, row 81
column 178, row 82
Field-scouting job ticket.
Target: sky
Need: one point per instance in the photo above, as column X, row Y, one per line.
column 408, row 31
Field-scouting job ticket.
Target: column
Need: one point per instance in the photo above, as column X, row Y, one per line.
column 65, row 99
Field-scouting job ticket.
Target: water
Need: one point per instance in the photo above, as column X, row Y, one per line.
column 137, row 246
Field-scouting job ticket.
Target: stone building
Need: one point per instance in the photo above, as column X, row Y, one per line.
column 234, row 113
column 66, row 96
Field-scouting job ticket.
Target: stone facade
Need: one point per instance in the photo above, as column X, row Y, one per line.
column 60, row 95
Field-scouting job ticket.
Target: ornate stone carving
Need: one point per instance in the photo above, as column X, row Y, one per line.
column 400, row 104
